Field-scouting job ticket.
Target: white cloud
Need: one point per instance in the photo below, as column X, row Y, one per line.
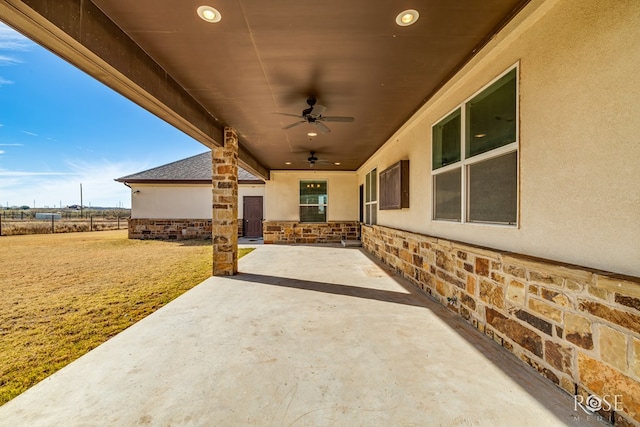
column 29, row 133
column 10, row 145
column 2, row 152
column 13, row 40
column 30, row 174
column 9, row 60
column 50, row 188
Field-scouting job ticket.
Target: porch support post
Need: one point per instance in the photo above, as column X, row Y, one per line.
column 224, row 226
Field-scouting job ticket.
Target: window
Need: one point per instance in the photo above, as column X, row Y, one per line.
column 475, row 157
column 313, row 201
column 446, row 141
column 371, row 197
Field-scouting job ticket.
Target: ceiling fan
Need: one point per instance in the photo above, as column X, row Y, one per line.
column 313, row 115
column 313, row 160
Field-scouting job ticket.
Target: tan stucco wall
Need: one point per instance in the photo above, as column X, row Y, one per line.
column 579, row 88
column 283, row 195
column 180, row 201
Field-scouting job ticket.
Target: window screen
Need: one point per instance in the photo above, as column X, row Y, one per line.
column 448, row 201
column 493, row 187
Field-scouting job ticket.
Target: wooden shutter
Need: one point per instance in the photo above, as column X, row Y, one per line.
column 394, row 186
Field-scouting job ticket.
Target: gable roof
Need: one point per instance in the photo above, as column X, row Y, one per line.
column 192, row 170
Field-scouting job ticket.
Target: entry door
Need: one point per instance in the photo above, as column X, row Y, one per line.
column 252, row 216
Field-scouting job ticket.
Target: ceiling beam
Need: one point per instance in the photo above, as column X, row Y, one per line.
column 77, row 31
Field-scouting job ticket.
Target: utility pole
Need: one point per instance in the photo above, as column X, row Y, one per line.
column 80, row 200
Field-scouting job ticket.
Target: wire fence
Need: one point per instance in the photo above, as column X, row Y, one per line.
column 20, row 222
column 23, row 214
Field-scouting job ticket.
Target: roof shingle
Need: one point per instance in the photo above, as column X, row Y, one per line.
column 192, row 169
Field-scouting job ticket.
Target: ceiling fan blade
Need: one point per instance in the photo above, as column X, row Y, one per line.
column 294, row 124
column 337, row 119
column 288, row 115
column 317, row 110
column 323, row 128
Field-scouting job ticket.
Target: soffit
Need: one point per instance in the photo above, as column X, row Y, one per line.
column 265, row 57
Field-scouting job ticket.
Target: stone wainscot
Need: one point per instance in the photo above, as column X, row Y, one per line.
column 169, row 229
column 287, row 232
column 172, row 229
column 578, row 327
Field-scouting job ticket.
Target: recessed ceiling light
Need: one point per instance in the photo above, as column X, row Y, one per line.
column 209, row 14
column 312, row 134
column 287, row 163
column 480, row 135
column 407, row 17
column 337, row 163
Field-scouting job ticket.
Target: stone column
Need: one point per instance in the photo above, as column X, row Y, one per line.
column 225, row 205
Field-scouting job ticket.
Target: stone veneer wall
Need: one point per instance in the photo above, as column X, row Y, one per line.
column 172, row 229
column 579, row 328
column 169, row 229
column 305, row 232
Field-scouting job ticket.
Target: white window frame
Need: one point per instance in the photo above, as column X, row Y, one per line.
column 464, row 163
column 371, row 204
column 326, row 204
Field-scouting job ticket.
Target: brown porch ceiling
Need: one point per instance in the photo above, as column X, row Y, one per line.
column 265, row 57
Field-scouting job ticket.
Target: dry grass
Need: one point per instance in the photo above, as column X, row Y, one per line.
column 16, row 227
column 62, row 295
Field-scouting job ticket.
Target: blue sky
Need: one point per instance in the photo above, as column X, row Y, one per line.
column 60, row 127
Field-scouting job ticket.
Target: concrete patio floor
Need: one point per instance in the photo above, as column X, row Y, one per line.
column 303, row 336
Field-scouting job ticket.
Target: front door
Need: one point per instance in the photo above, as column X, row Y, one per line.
column 252, row 216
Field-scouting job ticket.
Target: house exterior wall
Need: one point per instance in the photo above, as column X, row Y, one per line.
column 161, row 201
column 193, row 201
column 579, row 90
column 282, row 209
column 283, row 195
column 161, row 211
column 561, row 290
